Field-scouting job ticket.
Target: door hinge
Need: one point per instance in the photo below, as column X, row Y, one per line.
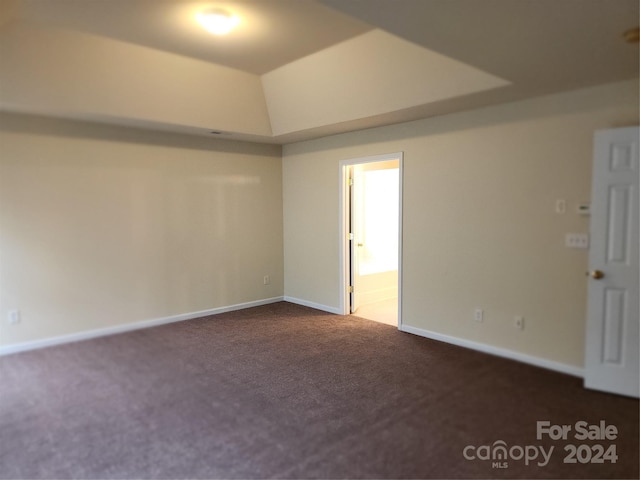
column 350, row 236
column 351, row 182
column 349, row 289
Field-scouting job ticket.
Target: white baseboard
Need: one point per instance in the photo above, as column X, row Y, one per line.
column 128, row 327
column 498, row 351
column 101, row 332
column 317, row 306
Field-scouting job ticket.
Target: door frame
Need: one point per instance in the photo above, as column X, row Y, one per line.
column 343, row 216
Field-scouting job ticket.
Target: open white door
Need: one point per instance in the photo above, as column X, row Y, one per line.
column 613, row 325
column 355, row 187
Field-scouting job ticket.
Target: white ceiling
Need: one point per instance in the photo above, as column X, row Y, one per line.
column 299, row 69
column 541, row 45
column 271, row 33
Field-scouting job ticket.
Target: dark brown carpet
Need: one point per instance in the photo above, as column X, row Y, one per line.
column 284, row 391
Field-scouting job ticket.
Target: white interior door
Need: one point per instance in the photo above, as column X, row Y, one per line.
column 612, row 343
column 356, row 240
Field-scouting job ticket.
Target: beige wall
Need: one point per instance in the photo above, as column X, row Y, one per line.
column 376, row 287
column 479, row 222
column 101, row 226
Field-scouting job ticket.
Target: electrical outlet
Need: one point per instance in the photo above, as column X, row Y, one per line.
column 266, row 280
column 13, row 317
column 518, row 322
column 478, row 315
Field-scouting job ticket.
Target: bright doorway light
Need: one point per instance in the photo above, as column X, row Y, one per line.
column 218, row 21
column 378, row 232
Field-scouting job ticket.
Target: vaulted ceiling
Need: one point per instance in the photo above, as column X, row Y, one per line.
column 300, row 69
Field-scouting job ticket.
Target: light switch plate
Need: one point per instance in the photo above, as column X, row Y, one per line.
column 577, row 240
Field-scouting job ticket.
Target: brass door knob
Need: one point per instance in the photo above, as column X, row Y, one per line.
column 595, row 274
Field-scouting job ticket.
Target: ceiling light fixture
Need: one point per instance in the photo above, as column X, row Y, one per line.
column 218, row 21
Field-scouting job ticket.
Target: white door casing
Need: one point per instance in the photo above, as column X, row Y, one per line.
column 345, row 248
column 613, row 325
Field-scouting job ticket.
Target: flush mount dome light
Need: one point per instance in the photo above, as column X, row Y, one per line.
column 218, row 21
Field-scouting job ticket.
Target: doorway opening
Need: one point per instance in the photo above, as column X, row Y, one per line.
column 371, row 237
